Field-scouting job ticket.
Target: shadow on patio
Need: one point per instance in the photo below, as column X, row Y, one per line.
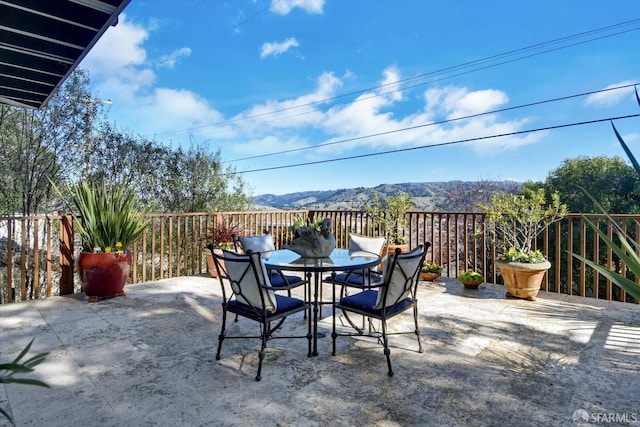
column 149, row 359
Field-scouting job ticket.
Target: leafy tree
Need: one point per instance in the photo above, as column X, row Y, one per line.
column 610, row 180
column 134, row 160
column 196, row 181
column 40, row 144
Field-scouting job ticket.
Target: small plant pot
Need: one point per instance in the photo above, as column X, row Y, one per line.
column 472, row 285
column 429, row 276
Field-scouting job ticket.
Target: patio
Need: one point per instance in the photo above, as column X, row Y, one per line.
column 149, row 359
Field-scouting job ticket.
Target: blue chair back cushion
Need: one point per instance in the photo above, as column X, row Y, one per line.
column 356, row 279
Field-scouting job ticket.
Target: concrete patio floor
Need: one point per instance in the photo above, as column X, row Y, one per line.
column 148, row 359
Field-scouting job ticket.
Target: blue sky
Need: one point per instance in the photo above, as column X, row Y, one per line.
column 318, row 80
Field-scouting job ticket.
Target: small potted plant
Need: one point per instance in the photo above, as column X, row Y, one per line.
column 218, row 238
column 471, row 279
column 430, row 271
column 514, row 221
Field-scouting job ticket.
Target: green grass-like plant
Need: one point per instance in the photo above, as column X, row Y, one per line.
column 108, row 216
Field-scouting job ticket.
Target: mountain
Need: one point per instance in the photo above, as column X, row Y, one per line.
column 452, row 196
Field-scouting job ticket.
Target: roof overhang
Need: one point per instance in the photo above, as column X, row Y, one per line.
column 43, row 41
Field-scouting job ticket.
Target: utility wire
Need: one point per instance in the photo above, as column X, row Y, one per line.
column 235, row 27
column 502, row 110
column 436, row 72
column 440, row 144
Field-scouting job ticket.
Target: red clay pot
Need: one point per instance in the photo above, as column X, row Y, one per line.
column 103, row 274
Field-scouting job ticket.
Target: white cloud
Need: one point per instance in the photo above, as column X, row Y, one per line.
column 120, row 67
column 283, row 7
column 454, row 102
column 170, row 60
column 120, row 47
column 610, row 97
column 126, row 75
column 276, row 48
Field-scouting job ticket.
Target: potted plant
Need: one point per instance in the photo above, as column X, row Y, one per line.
column 390, row 217
column 430, row 271
column 470, row 278
column 514, row 221
column 218, row 238
column 109, row 222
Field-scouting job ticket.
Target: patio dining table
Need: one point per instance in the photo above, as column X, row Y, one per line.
column 339, row 260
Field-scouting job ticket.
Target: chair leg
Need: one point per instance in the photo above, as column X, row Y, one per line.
column 222, row 333
column 385, row 343
column 265, row 333
column 415, row 319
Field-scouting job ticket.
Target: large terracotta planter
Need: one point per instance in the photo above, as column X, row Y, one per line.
column 103, row 274
column 523, row 280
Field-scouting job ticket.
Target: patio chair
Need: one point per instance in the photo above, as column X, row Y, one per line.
column 264, row 245
column 396, row 294
column 361, row 278
column 253, row 297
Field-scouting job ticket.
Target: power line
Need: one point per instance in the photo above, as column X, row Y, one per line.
column 436, row 72
column 357, row 138
column 440, row 144
column 228, row 30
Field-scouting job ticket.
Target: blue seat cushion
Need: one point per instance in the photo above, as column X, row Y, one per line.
column 286, row 303
column 366, row 300
column 283, row 305
column 277, row 281
column 355, row 279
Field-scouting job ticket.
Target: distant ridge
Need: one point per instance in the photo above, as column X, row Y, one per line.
column 452, row 196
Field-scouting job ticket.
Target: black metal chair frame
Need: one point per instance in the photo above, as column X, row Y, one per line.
column 288, row 282
column 363, row 280
column 257, row 313
column 389, row 309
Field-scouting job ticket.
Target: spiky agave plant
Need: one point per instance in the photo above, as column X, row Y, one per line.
column 109, row 218
column 628, row 248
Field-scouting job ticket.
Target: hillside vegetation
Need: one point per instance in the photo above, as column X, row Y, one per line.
column 458, row 196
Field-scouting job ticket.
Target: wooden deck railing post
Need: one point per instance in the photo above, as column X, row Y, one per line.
column 66, row 255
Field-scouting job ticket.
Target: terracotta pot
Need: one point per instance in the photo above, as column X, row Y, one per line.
column 211, row 265
column 472, row 284
column 523, row 280
column 389, row 249
column 103, row 274
column 429, row 276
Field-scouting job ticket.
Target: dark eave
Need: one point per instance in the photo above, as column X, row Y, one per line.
column 43, row 41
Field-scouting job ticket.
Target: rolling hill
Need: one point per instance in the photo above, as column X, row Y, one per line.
column 426, row 196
